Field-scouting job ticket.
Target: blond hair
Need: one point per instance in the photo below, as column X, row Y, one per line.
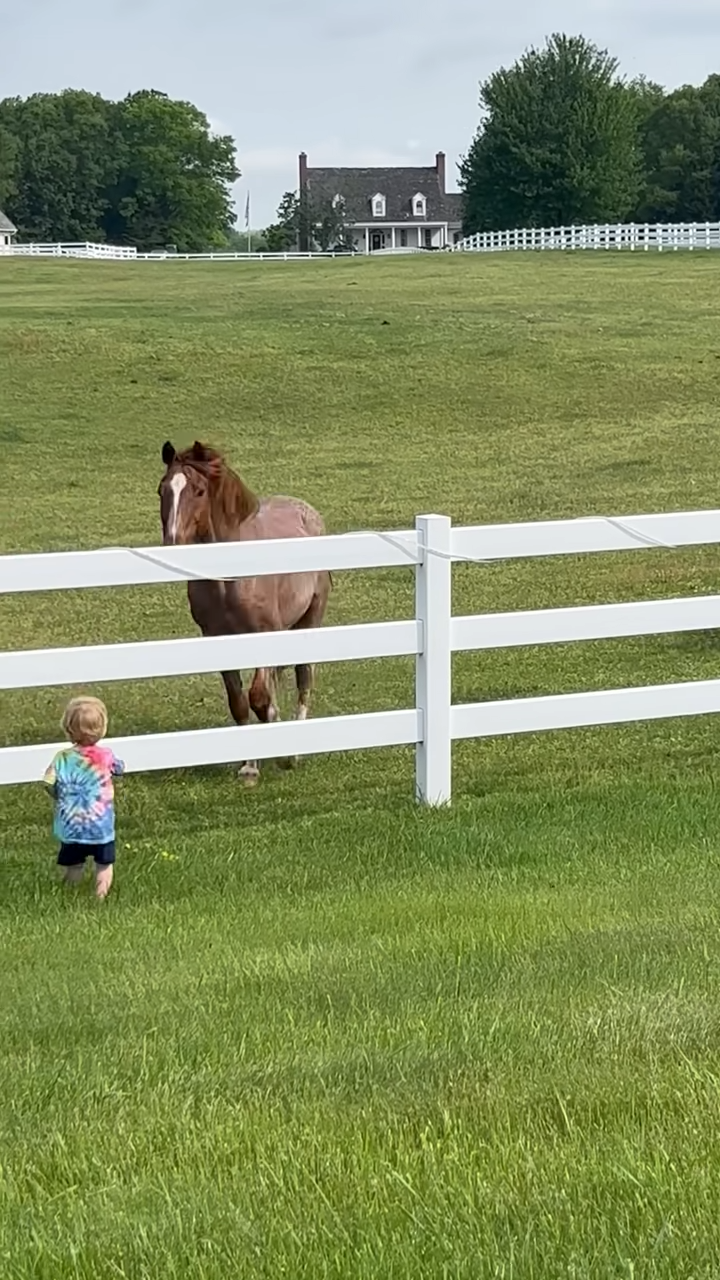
column 85, row 721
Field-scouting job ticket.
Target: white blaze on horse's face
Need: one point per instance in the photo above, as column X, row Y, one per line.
column 177, row 484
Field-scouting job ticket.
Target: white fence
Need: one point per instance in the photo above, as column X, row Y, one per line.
column 127, row 253
column 632, row 236
column 432, row 636
column 629, row 235
column 69, row 250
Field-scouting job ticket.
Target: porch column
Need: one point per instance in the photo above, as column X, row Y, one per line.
column 392, row 238
column 367, row 239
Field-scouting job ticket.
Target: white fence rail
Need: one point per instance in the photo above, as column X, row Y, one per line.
column 628, row 235
column 127, row 253
column 431, row 637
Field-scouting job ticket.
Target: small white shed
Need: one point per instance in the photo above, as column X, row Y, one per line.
column 7, row 230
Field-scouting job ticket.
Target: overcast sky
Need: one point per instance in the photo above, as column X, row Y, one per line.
column 375, row 82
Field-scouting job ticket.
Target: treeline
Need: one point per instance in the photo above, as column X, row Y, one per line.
column 565, row 139
column 146, row 171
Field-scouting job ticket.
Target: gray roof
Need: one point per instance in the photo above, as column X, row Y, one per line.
column 358, row 186
column 6, row 224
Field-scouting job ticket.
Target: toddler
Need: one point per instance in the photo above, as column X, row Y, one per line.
column 80, row 780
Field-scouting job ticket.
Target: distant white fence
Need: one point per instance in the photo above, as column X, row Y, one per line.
column 431, row 637
column 630, row 235
column 69, row 250
column 127, row 253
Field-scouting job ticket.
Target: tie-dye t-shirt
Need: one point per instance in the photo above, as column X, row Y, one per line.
column 81, row 781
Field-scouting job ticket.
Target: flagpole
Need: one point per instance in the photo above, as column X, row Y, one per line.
column 247, row 221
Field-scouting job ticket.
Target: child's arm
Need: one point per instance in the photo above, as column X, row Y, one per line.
column 50, row 779
column 117, row 768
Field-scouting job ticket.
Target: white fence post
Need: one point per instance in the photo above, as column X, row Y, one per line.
column 433, row 578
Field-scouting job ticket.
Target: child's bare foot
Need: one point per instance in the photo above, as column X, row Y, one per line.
column 103, row 881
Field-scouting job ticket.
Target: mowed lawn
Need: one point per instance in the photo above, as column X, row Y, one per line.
column 316, row 1032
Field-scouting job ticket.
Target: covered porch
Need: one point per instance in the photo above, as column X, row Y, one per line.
column 371, row 238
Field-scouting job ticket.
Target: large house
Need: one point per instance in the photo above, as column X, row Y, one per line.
column 7, row 230
column 397, row 208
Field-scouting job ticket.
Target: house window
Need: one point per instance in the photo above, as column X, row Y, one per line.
column 457, row 236
column 428, row 238
column 378, row 206
column 419, row 206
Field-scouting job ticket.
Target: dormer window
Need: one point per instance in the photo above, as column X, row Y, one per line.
column 419, row 206
column 378, row 206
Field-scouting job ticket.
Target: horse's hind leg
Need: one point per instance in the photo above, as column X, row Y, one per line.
column 239, row 705
column 305, row 671
column 305, row 681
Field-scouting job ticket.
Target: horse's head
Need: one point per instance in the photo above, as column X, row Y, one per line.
column 184, row 493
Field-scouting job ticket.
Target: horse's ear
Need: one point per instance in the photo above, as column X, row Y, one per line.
column 199, row 452
column 168, row 453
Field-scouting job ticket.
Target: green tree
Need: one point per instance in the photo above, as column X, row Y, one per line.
column 316, row 222
column 328, row 224
column 558, row 143
column 279, row 239
column 681, row 141
column 236, row 241
column 145, row 171
column 8, row 166
column 174, row 176
column 64, row 164
column 283, row 235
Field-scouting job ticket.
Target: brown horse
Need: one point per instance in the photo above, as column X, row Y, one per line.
column 202, row 500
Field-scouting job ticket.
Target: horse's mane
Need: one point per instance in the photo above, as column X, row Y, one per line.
column 232, row 501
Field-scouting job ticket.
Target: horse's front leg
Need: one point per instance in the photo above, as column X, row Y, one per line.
column 263, row 695
column 239, row 705
column 304, row 679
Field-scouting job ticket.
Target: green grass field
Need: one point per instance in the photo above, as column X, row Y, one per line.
column 316, row 1032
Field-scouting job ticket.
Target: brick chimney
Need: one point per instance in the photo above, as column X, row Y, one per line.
column 440, row 167
column 303, row 236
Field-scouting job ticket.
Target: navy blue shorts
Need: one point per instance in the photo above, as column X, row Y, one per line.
column 74, row 855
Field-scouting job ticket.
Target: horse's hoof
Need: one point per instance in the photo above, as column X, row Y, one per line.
column 288, row 762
